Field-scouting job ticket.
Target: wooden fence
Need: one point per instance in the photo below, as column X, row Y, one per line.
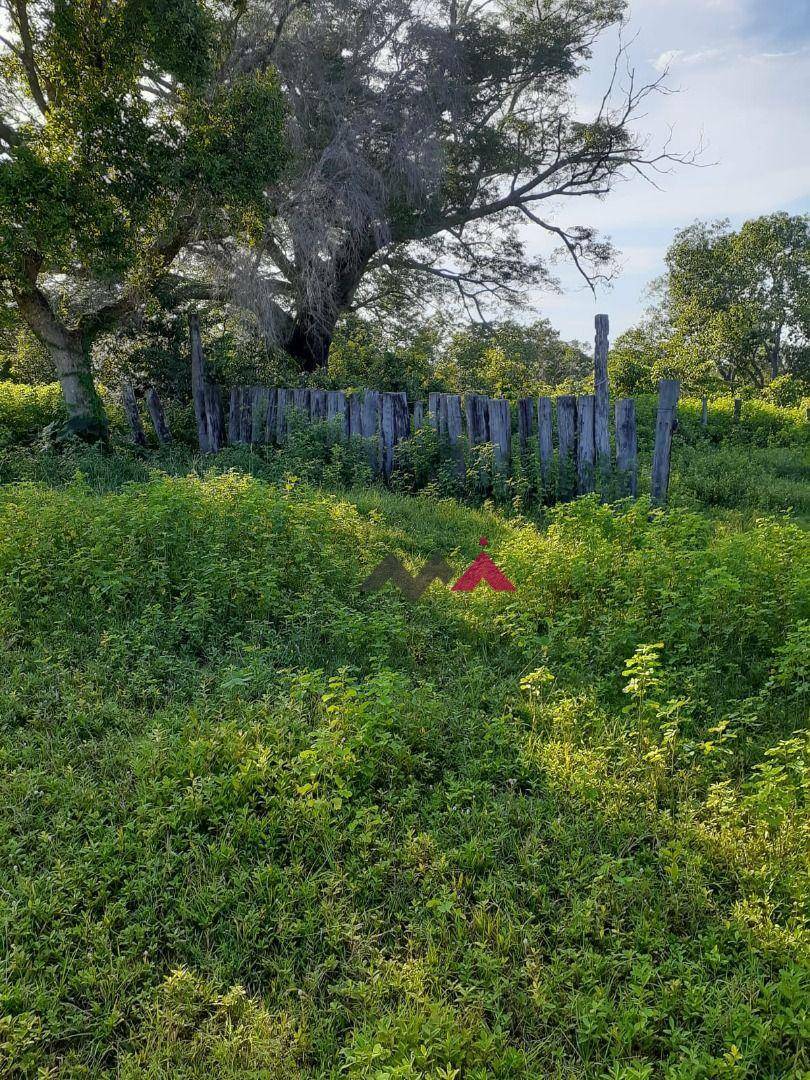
column 574, row 455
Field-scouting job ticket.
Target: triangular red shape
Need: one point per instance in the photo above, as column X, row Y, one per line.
column 483, row 569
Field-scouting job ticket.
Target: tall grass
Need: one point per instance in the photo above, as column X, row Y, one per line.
column 257, row 823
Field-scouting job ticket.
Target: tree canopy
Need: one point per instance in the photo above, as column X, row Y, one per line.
column 424, row 137
column 127, row 134
column 741, row 299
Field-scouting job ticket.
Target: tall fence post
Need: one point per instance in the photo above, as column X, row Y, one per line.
column 418, row 415
column 665, row 424
column 133, row 414
column 198, row 380
column 704, row 412
column 158, row 417
column 602, row 396
column 586, row 447
column 626, row 446
column 737, row 410
column 566, row 445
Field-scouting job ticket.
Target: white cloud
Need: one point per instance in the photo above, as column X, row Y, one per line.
column 678, row 58
column 733, row 87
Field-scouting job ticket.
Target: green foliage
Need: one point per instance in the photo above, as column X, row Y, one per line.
column 26, row 410
column 739, row 299
column 512, row 360
column 257, row 823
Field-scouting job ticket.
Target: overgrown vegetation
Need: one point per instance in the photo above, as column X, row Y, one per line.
column 257, row 823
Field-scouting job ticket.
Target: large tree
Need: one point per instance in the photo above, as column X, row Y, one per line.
column 741, row 299
column 425, row 135
column 127, row 133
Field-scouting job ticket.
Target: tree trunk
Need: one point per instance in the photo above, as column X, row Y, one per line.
column 309, row 342
column 69, row 351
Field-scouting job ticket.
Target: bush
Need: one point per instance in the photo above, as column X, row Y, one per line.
column 26, row 410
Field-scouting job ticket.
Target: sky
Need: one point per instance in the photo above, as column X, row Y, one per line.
column 739, row 72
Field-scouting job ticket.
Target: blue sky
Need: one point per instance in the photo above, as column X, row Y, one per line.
column 741, row 69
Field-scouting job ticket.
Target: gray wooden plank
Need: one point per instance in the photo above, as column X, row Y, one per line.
column 235, row 415
column 566, row 445
column 198, row 380
column 665, row 424
column 586, row 445
column 500, row 429
column 132, row 413
column 369, row 427
column 601, row 396
column 158, row 417
column 215, row 419
column 259, row 396
column 283, row 404
column 544, row 438
column 626, row 447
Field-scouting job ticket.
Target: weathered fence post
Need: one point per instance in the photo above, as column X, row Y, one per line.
column 586, row 447
column 418, row 415
column 258, row 418
column 434, row 401
column 283, row 403
column 395, row 422
column 602, row 397
column 500, row 428
column 302, row 402
column 369, row 419
column 544, row 440
column 198, row 380
column 737, row 410
column 158, row 417
column 246, row 414
column 566, row 445
column 235, row 415
column 270, row 420
column 450, row 428
column 704, row 412
column 353, row 414
column 317, row 405
column 476, row 410
column 214, row 418
column 626, row 446
column 666, row 422
column 336, row 409
column 130, row 404
column 525, row 411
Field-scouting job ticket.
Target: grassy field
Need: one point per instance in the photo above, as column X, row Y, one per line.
column 256, row 823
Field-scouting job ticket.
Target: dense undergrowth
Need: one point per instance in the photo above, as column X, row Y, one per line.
column 257, row 823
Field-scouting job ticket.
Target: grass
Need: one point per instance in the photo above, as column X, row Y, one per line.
column 259, row 824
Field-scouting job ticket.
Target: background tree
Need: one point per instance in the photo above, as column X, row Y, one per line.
column 741, row 300
column 651, row 351
column 511, row 359
column 125, row 136
column 424, row 136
